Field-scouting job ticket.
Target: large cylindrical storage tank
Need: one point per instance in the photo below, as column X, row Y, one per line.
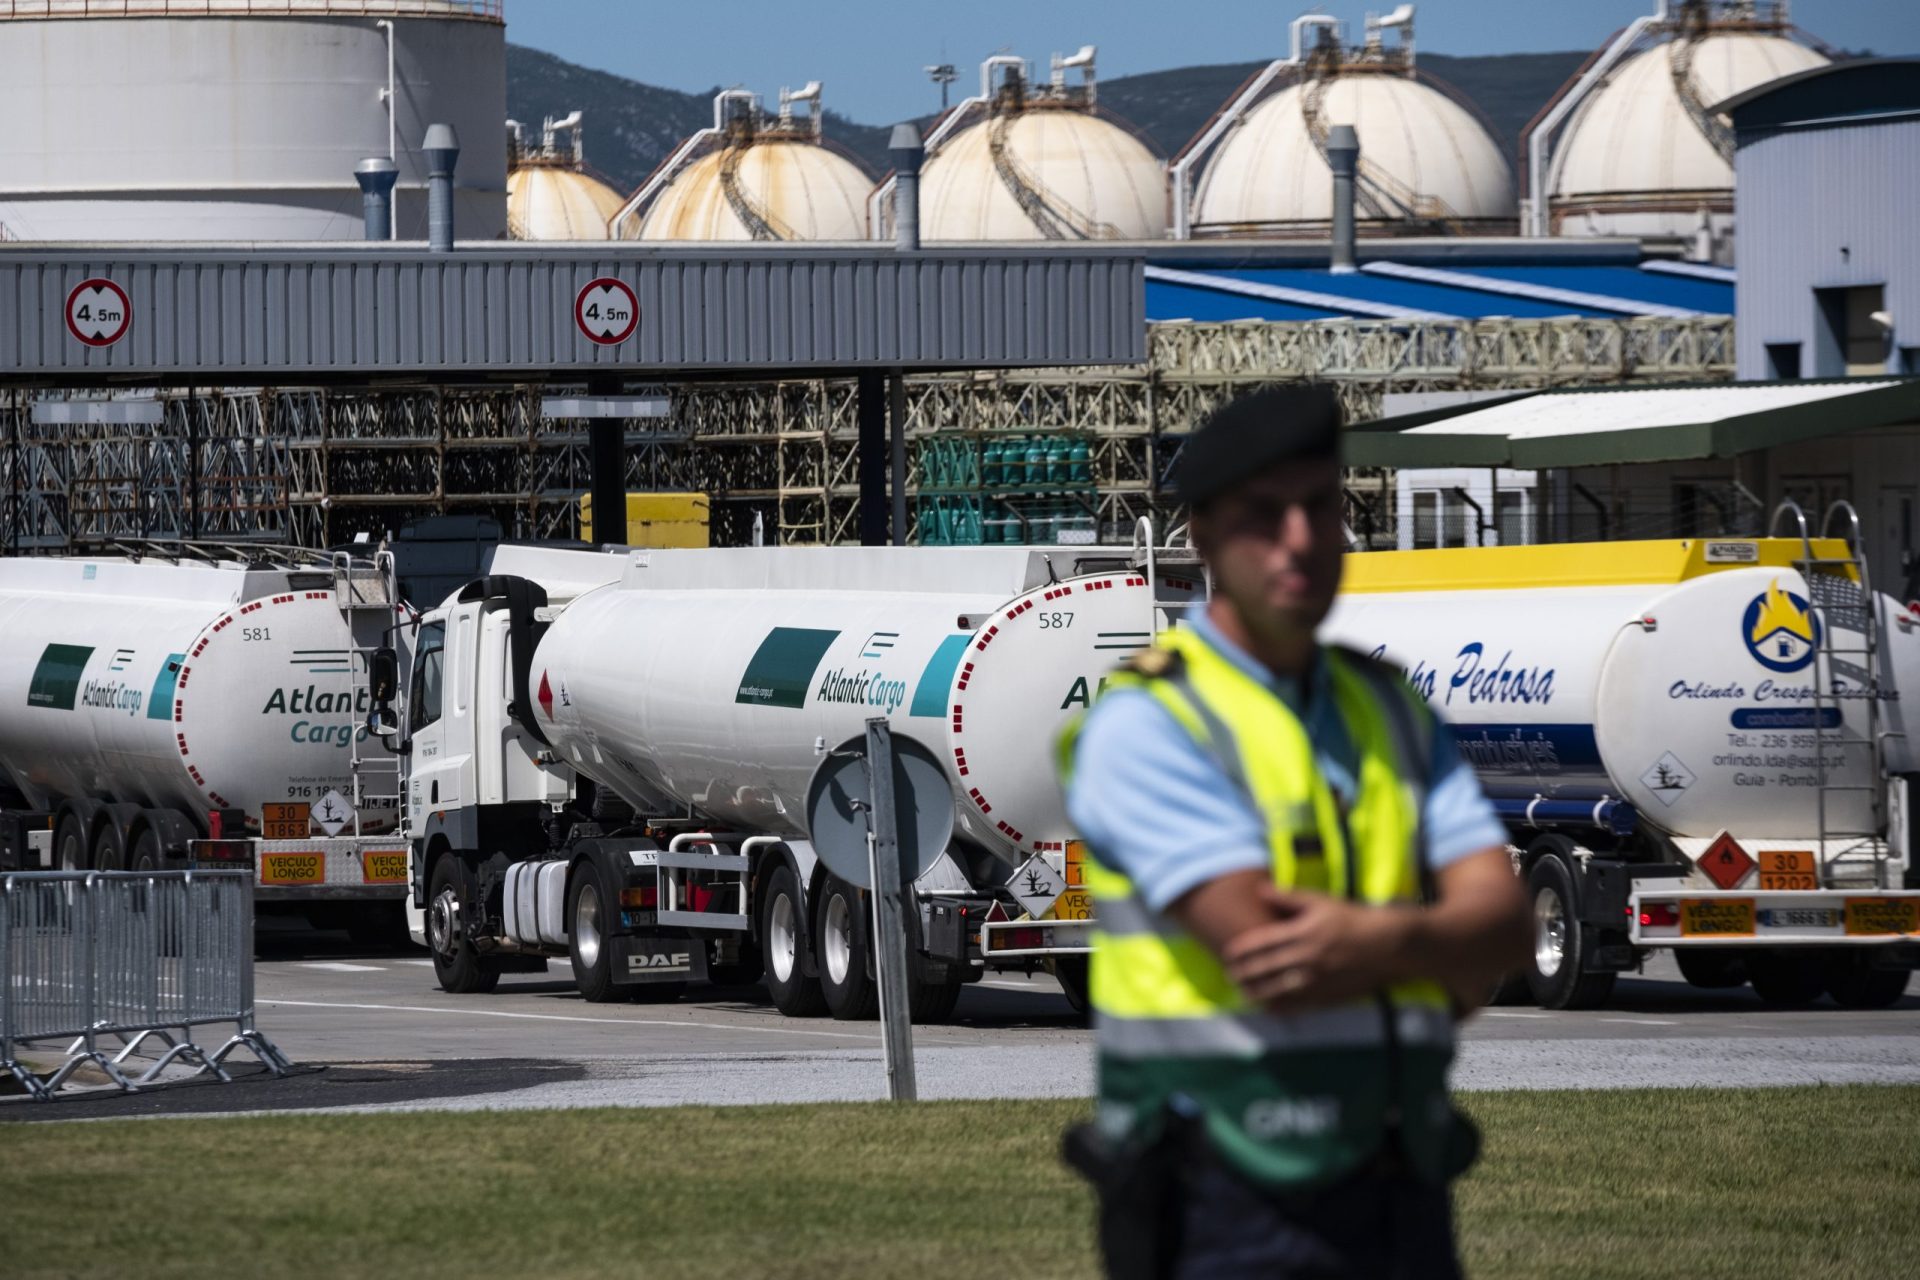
column 726, row 700
column 1642, row 155
column 210, row 120
column 1688, row 694
column 180, row 686
column 1043, row 165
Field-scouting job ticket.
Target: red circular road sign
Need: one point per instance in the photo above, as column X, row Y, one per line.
column 98, row 312
column 606, row 311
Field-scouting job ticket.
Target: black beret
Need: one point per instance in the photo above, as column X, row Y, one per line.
column 1255, row 431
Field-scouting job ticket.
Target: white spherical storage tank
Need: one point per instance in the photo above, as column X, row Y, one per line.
column 554, row 202
column 1091, row 178
column 242, row 119
column 802, row 189
column 727, row 700
column 1269, row 177
column 177, row 686
column 1634, row 160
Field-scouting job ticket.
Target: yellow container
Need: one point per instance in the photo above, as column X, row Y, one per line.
column 657, row 520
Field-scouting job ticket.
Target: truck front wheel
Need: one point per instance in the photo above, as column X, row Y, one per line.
column 450, row 913
column 782, row 942
column 840, row 936
column 1561, row 942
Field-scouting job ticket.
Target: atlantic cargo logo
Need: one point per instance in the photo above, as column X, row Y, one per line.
column 1780, row 630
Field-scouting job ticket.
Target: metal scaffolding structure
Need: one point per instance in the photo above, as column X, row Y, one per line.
column 315, row 466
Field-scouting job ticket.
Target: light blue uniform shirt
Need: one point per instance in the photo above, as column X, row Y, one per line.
column 1157, row 808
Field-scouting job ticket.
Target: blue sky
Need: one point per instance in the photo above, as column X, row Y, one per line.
column 869, row 52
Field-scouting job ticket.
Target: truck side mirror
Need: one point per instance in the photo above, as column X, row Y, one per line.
column 384, row 722
column 383, row 675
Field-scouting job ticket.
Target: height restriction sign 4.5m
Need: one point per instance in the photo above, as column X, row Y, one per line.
column 98, row 312
column 607, row 311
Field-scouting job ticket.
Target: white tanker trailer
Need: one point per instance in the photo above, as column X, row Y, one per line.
column 164, row 712
column 1690, row 747
column 617, row 773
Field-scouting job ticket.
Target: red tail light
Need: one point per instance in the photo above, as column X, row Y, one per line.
column 216, row 825
column 1659, row 914
column 645, row 899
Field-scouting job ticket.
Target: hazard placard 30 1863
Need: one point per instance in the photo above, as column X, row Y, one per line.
column 606, row 311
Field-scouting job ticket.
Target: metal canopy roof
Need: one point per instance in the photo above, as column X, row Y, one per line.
column 364, row 312
column 1451, row 289
column 1598, row 426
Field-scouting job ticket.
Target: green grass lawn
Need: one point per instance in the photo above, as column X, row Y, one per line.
column 1697, row 1183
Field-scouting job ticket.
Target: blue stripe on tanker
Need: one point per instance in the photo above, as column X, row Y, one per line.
column 1560, row 760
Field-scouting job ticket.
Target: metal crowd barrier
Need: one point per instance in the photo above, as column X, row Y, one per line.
column 135, row 956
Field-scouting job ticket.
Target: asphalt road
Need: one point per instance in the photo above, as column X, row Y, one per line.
column 373, row 1031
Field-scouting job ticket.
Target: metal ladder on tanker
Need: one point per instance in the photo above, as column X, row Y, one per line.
column 1846, row 646
column 1172, row 572
column 367, row 594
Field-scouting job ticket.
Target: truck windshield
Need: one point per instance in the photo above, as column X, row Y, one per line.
column 423, row 704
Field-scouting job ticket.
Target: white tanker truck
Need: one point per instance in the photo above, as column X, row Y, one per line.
column 609, row 755
column 1703, row 745
column 610, row 752
column 162, row 712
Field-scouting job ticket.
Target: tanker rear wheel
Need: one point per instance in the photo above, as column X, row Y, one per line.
column 1786, row 978
column 144, row 857
column 378, row 925
column 1562, row 942
column 783, row 941
column 1511, row 990
column 1854, row 983
column 70, row 846
column 932, row 1003
column 1071, row 972
column 1711, row 969
column 450, row 911
column 109, row 849
column 840, row 938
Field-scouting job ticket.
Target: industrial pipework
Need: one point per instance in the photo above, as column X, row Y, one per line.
column 376, row 176
column 1181, row 170
column 1541, row 134
column 1343, row 157
column 908, row 153
column 441, row 147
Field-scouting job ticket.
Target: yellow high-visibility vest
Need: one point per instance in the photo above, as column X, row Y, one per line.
column 1290, row 1100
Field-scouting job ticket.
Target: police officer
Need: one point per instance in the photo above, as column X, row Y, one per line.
column 1298, row 888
